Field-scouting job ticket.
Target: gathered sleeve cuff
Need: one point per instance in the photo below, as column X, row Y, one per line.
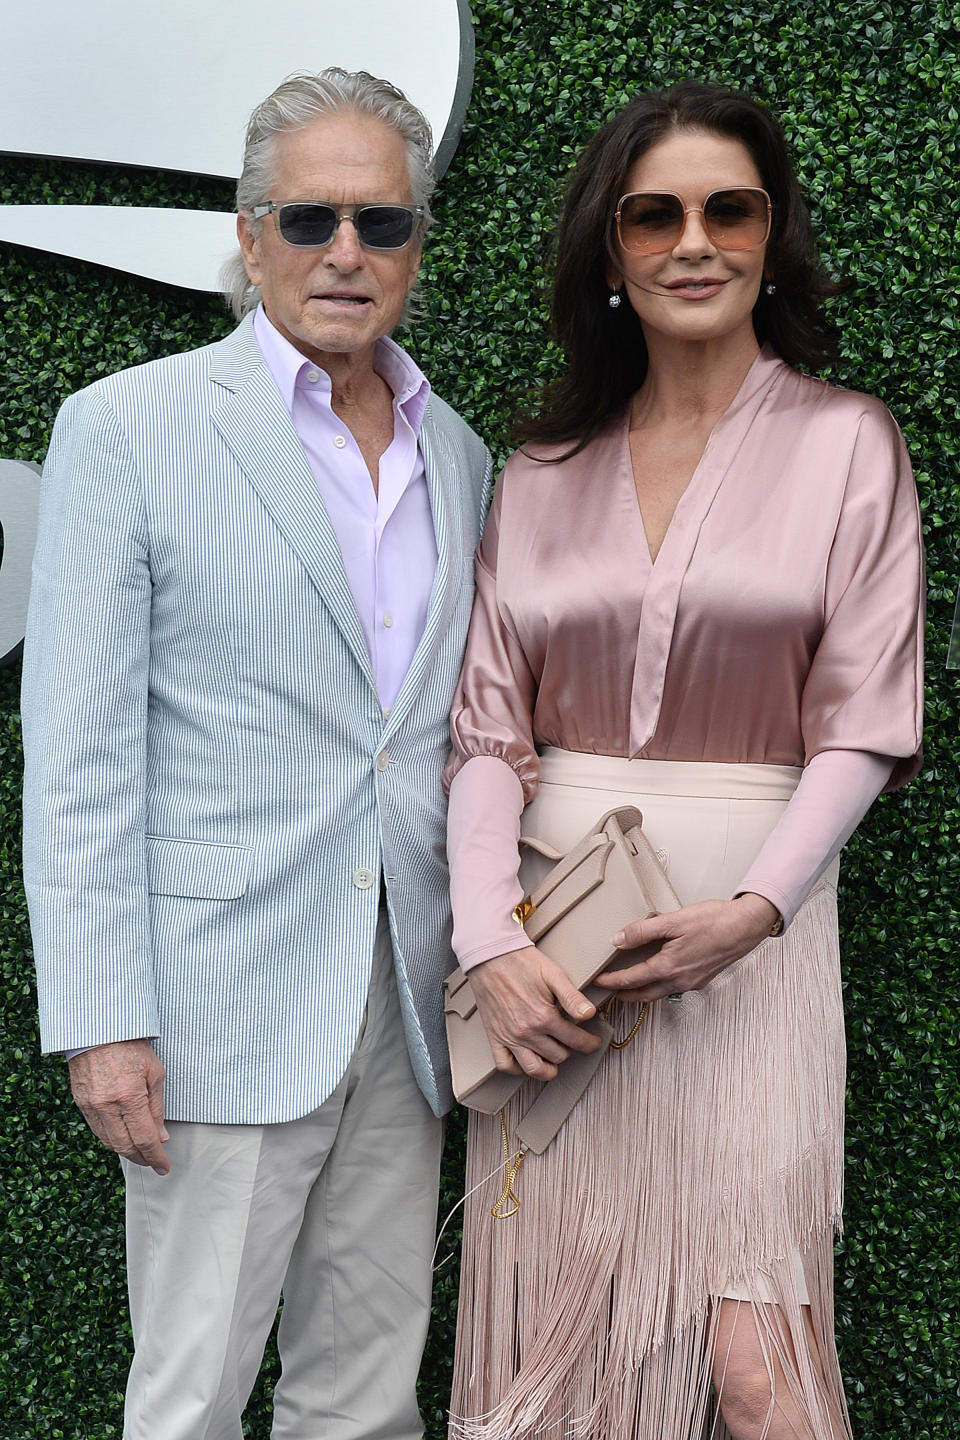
column 836, row 789
column 864, row 690
column 494, row 700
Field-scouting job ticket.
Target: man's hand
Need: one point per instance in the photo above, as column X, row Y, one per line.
column 692, row 946
column 521, row 997
column 119, row 1088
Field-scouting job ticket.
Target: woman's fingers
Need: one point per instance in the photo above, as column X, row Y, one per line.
column 687, row 948
column 520, row 996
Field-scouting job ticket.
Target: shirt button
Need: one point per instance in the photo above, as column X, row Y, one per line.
column 339, row 441
column 388, row 621
column 313, row 375
column 383, row 760
column 363, row 878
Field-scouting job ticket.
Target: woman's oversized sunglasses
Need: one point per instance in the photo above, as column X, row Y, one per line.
column 307, row 223
column 650, row 222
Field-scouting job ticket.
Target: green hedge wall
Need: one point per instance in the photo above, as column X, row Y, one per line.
column 868, row 93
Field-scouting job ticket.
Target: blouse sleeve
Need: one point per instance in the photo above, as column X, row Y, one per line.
column 494, row 700
column 493, row 771
column 835, row 792
column 864, row 690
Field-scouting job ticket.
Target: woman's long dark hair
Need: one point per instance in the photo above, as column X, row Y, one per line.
column 605, row 349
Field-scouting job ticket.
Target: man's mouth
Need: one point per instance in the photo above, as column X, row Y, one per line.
column 335, row 297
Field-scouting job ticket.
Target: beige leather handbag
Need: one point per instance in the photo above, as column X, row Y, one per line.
column 611, row 877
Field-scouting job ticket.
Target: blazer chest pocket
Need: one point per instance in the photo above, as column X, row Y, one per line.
column 197, row 869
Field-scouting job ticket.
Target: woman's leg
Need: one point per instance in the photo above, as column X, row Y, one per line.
column 753, row 1349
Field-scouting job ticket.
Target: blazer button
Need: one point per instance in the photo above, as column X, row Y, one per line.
column 363, row 878
column 383, row 761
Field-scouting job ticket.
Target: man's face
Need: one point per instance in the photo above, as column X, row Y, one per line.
column 339, row 298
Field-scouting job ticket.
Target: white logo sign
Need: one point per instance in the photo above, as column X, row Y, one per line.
column 172, row 87
column 19, row 494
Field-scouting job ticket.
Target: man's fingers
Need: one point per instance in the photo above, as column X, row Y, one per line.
column 131, row 1132
column 119, row 1089
column 144, row 1132
column 155, row 1100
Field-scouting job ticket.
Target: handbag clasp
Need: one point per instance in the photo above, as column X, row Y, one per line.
column 523, row 911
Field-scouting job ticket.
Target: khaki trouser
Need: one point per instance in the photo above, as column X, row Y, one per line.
column 337, row 1211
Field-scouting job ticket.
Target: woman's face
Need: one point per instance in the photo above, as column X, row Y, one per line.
column 697, row 290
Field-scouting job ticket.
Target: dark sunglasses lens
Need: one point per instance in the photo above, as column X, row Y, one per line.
column 650, row 221
column 736, row 219
column 307, row 224
column 384, row 227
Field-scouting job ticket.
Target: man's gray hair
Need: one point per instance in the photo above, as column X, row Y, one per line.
column 294, row 105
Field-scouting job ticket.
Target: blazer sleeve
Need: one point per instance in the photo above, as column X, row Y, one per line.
column 85, row 684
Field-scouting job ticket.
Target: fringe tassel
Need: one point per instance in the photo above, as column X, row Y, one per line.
column 705, row 1159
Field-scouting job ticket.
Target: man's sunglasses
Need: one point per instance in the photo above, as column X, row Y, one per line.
column 306, row 223
column 650, row 222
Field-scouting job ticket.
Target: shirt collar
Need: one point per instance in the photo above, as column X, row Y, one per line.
column 411, row 388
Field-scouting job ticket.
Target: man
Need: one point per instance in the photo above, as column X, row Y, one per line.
column 251, row 592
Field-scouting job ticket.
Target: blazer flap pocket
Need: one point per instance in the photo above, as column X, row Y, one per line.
column 197, row 869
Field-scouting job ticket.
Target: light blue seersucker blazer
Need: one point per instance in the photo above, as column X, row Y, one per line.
column 212, row 788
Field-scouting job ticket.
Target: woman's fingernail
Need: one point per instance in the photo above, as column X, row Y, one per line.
column 619, row 938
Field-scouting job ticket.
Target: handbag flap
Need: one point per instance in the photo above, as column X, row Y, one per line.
column 559, row 894
column 458, row 995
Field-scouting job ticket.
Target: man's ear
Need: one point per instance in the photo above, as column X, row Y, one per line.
column 250, row 248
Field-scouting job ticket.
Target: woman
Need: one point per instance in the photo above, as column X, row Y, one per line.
column 699, row 592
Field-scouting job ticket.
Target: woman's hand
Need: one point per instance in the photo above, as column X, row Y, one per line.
column 521, row 997
column 693, row 945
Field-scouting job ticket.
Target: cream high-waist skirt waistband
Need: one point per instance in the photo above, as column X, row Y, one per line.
column 707, row 820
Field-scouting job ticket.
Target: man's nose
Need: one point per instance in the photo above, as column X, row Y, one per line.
column 344, row 249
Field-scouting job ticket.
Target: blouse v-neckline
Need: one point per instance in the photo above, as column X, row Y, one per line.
column 742, row 393
column 664, row 575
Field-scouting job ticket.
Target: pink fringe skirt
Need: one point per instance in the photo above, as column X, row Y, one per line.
column 704, row 1161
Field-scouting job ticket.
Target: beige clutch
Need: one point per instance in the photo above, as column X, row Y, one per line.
column 611, row 877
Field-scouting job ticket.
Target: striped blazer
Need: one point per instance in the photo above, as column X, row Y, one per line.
column 212, row 788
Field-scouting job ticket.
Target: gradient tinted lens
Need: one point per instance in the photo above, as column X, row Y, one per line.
column 651, row 222
column 736, row 219
column 379, row 227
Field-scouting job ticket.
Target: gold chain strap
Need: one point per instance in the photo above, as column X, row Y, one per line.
column 511, row 1167
column 508, row 1202
column 622, row 1044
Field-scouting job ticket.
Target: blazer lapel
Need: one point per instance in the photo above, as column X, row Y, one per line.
column 446, row 503
column 252, row 420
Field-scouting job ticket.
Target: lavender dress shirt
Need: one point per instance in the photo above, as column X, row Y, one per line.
column 386, row 537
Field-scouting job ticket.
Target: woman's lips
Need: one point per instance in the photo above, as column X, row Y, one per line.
column 699, row 289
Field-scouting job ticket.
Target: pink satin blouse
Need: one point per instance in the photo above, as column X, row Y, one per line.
column 782, row 617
